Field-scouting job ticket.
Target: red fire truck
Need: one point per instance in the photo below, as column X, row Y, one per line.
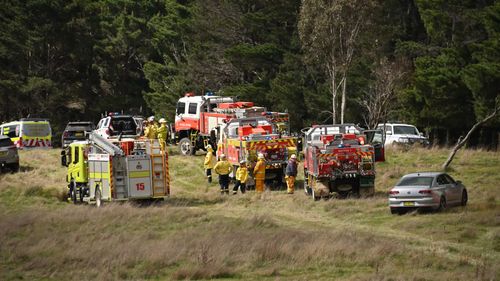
column 341, row 159
column 198, row 119
column 244, row 138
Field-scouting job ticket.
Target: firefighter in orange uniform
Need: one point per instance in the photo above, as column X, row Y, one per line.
column 259, row 173
column 291, row 173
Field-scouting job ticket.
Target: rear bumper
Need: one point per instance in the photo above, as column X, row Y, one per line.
column 427, row 202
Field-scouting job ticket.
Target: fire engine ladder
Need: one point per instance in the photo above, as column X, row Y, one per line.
column 193, row 137
column 119, row 179
column 159, row 169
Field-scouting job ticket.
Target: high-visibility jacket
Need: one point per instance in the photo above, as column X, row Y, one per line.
column 259, row 171
column 150, row 132
column 242, row 174
column 223, row 167
column 162, row 132
column 209, row 159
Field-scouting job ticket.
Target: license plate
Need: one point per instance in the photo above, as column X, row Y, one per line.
column 409, row 204
column 78, row 134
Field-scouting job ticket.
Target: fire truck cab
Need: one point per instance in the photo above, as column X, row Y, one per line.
column 341, row 159
column 197, row 119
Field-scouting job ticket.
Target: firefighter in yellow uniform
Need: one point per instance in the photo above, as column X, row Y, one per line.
column 241, row 177
column 223, row 168
column 209, row 162
column 151, row 129
column 259, row 173
column 162, row 133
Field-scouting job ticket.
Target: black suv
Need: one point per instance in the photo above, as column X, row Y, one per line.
column 75, row 131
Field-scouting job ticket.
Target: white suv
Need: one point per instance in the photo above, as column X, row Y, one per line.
column 398, row 133
column 114, row 125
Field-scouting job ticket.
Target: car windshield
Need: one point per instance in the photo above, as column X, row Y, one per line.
column 5, row 142
column 79, row 128
column 123, row 124
column 419, row 181
column 405, row 130
column 36, row 129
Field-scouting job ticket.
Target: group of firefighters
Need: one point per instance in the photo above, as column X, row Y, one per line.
column 223, row 168
column 153, row 131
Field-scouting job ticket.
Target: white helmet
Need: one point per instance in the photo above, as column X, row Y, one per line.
column 293, row 156
column 208, row 147
column 222, row 156
column 162, row 120
column 151, row 118
column 260, row 156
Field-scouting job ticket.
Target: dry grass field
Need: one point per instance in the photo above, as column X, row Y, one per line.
column 199, row 234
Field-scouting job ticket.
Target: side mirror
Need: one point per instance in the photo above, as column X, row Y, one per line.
column 63, row 159
column 388, row 132
column 421, row 134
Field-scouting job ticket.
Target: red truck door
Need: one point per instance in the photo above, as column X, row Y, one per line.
column 376, row 139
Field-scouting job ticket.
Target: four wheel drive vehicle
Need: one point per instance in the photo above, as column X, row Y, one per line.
column 29, row 133
column 341, row 159
column 8, row 154
column 115, row 170
column 115, row 125
column 244, row 138
column 430, row 190
column 76, row 131
column 398, row 133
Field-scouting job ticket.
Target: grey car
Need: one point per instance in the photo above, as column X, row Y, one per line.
column 428, row 190
column 8, row 154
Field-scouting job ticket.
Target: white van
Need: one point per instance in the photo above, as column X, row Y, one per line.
column 29, row 133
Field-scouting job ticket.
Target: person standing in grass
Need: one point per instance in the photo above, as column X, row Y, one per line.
column 241, row 177
column 223, row 168
column 209, row 162
column 259, row 173
column 291, row 173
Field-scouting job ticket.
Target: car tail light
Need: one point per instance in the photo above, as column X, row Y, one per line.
column 425, row 191
column 393, row 192
column 66, row 134
column 107, row 132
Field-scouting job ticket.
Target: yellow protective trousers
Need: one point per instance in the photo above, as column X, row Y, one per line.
column 290, row 183
column 259, row 185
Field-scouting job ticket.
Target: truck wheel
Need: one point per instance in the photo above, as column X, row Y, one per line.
column 313, row 195
column 14, row 168
column 186, row 147
column 72, row 192
column 98, row 197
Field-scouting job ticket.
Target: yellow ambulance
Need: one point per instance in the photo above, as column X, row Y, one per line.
column 29, row 133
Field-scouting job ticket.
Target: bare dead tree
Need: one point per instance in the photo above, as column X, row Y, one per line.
column 380, row 98
column 463, row 140
column 329, row 31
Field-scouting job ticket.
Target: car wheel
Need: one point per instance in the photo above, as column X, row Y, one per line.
column 186, row 147
column 465, row 198
column 395, row 211
column 14, row 168
column 98, row 197
column 442, row 204
column 72, row 191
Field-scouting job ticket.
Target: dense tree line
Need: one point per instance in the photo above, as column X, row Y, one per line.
column 435, row 63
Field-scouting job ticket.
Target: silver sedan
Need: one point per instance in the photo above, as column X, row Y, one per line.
column 429, row 190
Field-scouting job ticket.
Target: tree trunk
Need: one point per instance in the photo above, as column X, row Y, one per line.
column 342, row 106
column 334, row 100
column 462, row 141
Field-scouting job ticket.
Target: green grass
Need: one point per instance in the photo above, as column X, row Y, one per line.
column 199, row 234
